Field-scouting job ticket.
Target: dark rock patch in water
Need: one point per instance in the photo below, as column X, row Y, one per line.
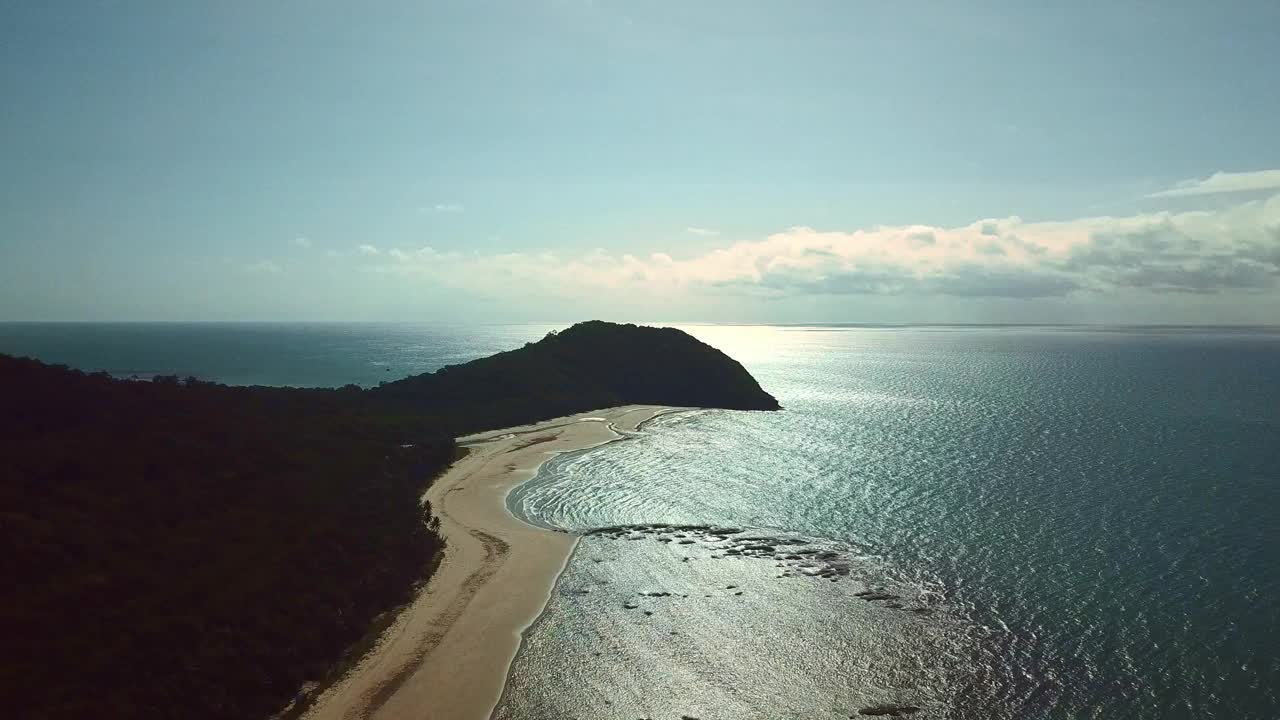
column 889, row 710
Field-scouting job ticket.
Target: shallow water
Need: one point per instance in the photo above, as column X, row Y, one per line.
column 684, row 622
column 1091, row 516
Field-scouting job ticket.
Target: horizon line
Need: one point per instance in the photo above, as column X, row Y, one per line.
column 726, row 323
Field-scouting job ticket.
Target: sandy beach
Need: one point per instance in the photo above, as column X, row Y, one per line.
column 447, row 653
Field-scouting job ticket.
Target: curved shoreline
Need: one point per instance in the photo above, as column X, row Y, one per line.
column 493, row 583
column 622, row 433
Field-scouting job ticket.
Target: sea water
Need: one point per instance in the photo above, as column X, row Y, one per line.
column 967, row 522
column 1076, row 523
column 282, row 354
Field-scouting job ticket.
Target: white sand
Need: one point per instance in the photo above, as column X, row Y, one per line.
column 447, row 654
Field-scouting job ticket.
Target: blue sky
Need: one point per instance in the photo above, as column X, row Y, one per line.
column 738, row 161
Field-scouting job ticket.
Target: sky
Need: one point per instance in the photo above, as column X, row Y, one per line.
column 554, row 160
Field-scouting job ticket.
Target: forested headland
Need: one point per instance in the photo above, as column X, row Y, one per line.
column 179, row 548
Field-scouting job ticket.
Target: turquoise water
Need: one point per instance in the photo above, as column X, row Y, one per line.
column 1074, row 523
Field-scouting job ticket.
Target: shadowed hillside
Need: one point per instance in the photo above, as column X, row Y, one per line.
column 590, row 365
column 177, row 548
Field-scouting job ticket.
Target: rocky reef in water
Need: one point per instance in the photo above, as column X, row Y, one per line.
column 733, row 621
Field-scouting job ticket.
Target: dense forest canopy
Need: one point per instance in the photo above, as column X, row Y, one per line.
column 182, row 548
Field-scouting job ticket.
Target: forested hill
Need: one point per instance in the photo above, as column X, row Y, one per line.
column 178, row 548
column 183, row 549
column 587, row 366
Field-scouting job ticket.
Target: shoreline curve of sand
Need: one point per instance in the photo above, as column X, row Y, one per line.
column 447, row 653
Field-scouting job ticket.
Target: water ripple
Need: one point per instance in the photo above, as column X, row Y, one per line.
column 1095, row 511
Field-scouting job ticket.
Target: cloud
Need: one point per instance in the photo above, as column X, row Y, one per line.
column 1223, row 182
column 302, row 242
column 443, row 208
column 705, row 232
column 367, row 249
column 263, row 267
column 1236, row 249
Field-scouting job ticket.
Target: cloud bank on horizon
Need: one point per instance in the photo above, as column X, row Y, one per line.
column 1232, row 249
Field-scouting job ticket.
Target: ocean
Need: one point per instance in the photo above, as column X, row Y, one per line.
column 976, row 522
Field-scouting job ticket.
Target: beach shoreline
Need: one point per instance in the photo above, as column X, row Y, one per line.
column 448, row 652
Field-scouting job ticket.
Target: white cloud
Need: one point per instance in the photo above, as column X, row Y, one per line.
column 1223, row 182
column 263, row 267
column 428, row 254
column 443, row 208
column 367, row 249
column 1236, row 249
column 302, row 242
column 705, row 232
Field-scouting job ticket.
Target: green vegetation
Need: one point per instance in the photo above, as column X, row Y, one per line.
column 185, row 549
